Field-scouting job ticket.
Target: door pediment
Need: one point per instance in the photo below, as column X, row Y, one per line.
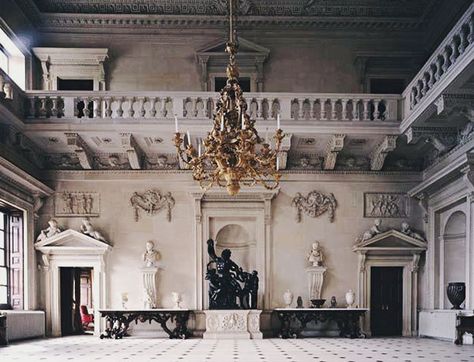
column 72, row 241
column 391, row 241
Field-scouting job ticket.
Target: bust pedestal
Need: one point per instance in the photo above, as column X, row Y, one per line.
column 315, row 281
column 232, row 324
column 149, row 274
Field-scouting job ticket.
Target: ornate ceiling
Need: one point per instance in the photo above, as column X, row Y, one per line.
column 415, row 9
column 372, row 15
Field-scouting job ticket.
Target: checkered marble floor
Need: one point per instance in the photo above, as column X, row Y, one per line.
column 89, row 348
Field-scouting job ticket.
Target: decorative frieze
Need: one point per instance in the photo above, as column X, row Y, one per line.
column 386, row 205
column 77, row 203
column 152, row 202
column 314, row 204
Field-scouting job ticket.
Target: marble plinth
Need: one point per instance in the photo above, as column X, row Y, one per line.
column 149, row 287
column 315, row 281
column 232, row 324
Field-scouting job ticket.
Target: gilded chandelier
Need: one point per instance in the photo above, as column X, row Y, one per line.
column 232, row 154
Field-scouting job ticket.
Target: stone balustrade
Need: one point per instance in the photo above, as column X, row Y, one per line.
column 457, row 44
column 200, row 105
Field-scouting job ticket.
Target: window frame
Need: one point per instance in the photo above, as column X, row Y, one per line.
column 7, row 56
column 6, row 261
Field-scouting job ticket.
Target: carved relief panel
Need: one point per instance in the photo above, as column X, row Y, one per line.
column 386, row 205
column 75, row 203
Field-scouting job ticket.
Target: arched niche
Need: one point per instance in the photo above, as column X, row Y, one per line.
column 454, row 239
column 237, row 238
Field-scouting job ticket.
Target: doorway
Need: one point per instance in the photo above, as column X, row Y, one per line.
column 386, row 301
column 76, row 300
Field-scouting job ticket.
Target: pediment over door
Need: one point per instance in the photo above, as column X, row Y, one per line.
column 72, row 242
column 213, row 59
column 391, row 242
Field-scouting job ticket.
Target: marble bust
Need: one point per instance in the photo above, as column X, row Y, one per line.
column 88, row 229
column 51, row 230
column 315, row 256
column 150, row 256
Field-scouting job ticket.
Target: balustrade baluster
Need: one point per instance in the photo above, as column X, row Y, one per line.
column 87, row 111
column 300, row 108
column 151, row 111
column 447, row 62
column 344, row 109
column 333, row 109
column 324, row 113
column 424, row 80
column 355, row 110
column 432, row 72
column 96, row 103
column 439, row 67
column 470, row 37
column 366, row 112
column 54, row 107
column 463, row 43
column 376, row 109
column 42, row 110
column 454, row 50
column 285, row 108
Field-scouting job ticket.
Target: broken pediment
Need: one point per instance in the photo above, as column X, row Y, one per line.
column 393, row 241
column 72, row 241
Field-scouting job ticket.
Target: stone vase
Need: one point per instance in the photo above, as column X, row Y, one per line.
column 350, row 297
column 456, row 292
column 288, row 298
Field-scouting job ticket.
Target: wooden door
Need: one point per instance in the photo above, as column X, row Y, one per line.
column 386, row 301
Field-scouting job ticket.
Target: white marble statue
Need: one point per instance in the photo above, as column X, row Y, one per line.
column 374, row 230
column 407, row 230
column 150, row 256
column 315, row 256
column 51, row 230
column 88, row 229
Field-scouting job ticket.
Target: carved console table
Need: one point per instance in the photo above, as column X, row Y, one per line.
column 118, row 321
column 294, row 320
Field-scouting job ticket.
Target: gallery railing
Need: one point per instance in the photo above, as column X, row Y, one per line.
column 453, row 55
column 200, row 105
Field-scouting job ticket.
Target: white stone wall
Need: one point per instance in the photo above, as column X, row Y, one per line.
column 176, row 240
column 167, row 62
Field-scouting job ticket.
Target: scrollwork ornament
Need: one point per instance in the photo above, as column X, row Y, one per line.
column 314, row 204
column 152, row 202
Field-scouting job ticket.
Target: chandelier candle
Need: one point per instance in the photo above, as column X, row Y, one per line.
column 233, row 154
column 176, row 123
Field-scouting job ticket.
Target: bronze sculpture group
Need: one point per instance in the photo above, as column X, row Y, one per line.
column 229, row 286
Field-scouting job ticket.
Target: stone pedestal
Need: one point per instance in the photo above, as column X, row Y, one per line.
column 232, row 324
column 315, row 281
column 149, row 287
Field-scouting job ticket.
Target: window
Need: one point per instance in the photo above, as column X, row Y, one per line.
column 75, row 84
column 11, row 258
column 220, row 82
column 387, row 86
column 12, row 60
